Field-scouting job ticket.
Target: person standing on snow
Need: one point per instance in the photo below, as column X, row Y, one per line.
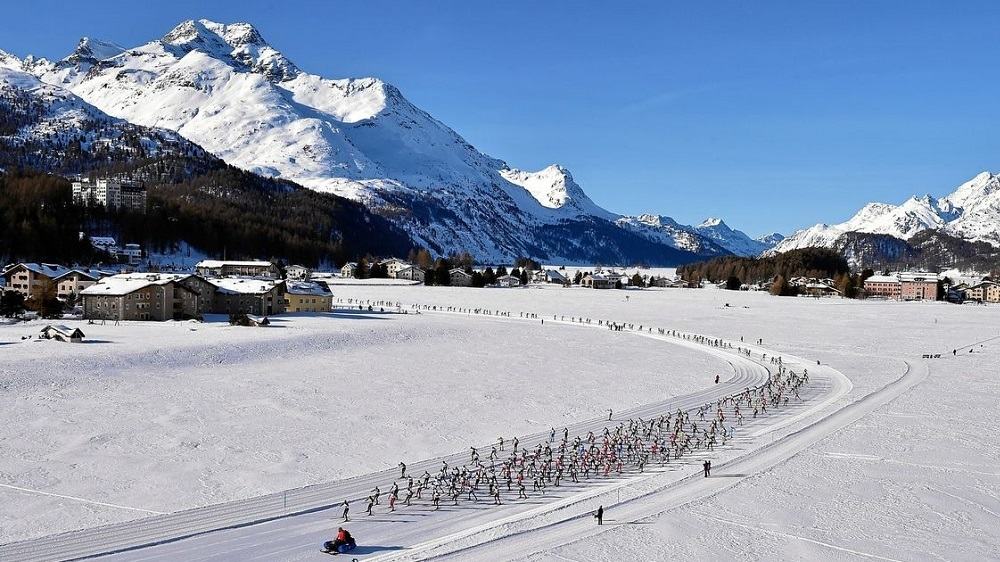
column 599, row 515
column 347, row 509
column 707, row 466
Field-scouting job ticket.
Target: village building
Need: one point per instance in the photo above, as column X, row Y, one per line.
column 133, row 252
column 549, row 276
column 196, row 283
column 984, row 291
column 883, row 286
column 308, row 296
column 233, row 295
column 61, row 333
column 508, row 281
column 110, row 194
column 223, row 268
column 130, row 297
column 103, row 243
column 459, row 278
column 819, row 289
column 74, row 281
column 601, row 280
column 297, row 272
column 349, row 269
column 904, row 285
column 918, row 285
column 32, row 279
column 393, row 266
column 411, row 273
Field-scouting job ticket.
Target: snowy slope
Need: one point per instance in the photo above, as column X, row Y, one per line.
column 666, row 230
column 971, row 212
column 225, row 88
column 733, row 240
column 44, row 120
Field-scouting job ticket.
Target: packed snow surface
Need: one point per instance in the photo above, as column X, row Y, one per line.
column 157, row 417
column 907, row 449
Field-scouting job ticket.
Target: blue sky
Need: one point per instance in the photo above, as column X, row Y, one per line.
column 772, row 115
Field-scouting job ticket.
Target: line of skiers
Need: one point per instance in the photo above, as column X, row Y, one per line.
column 509, row 469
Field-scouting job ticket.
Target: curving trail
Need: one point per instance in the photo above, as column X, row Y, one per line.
column 290, row 525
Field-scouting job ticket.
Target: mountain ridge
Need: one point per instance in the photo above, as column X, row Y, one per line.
column 223, row 87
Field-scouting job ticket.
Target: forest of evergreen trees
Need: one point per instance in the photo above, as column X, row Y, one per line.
column 224, row 210
column 807, row 262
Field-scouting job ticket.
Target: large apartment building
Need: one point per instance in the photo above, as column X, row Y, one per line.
column 110, row 194
column 904, row 285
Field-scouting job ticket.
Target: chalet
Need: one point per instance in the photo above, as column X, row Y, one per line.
column 393, row 266
column 601, row 280
column 412, row 273
column 32, row 279
column 297, row 272
column 131, row 297
column 76, row 280
column 508, row 281
column 349, row 269
column 61, row 333
column 819, row 289
column 249, row 296
column 220, row 268
column 308, row 296
column 459, row 278
column 549, row 276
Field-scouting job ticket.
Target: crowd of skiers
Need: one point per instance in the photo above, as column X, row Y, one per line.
column 510, row 471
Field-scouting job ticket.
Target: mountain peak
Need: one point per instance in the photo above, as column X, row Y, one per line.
column 238, row 43
column 92, row 50
column 712, row 222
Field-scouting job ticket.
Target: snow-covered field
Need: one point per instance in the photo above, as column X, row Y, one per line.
column 901, row 467
column 156, row 417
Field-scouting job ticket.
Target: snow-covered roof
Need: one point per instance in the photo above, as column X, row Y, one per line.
column 458, row 271
column 123, row 284
column 103, row 241
column 918, row 276
column 307, row 288
column 63, row 330
column 238, row 285
column 94, row 274
column 220, row 263
column 882, row 279
column 49, row 269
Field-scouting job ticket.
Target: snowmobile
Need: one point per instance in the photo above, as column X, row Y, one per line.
column 350, row 545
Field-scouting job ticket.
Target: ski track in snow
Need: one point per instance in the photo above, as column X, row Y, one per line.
column 247, row 539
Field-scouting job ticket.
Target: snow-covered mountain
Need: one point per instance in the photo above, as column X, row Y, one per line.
column 712, row 237
column 225, row 88
column 971, row 212
column 733, row 240
column 46, row 126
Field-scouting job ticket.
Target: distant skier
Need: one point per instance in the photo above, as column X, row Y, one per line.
column 707, row 466
column 716, row 379
column 610, row 413
column 599, row 515
column 402, row 470
column 347, row 509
